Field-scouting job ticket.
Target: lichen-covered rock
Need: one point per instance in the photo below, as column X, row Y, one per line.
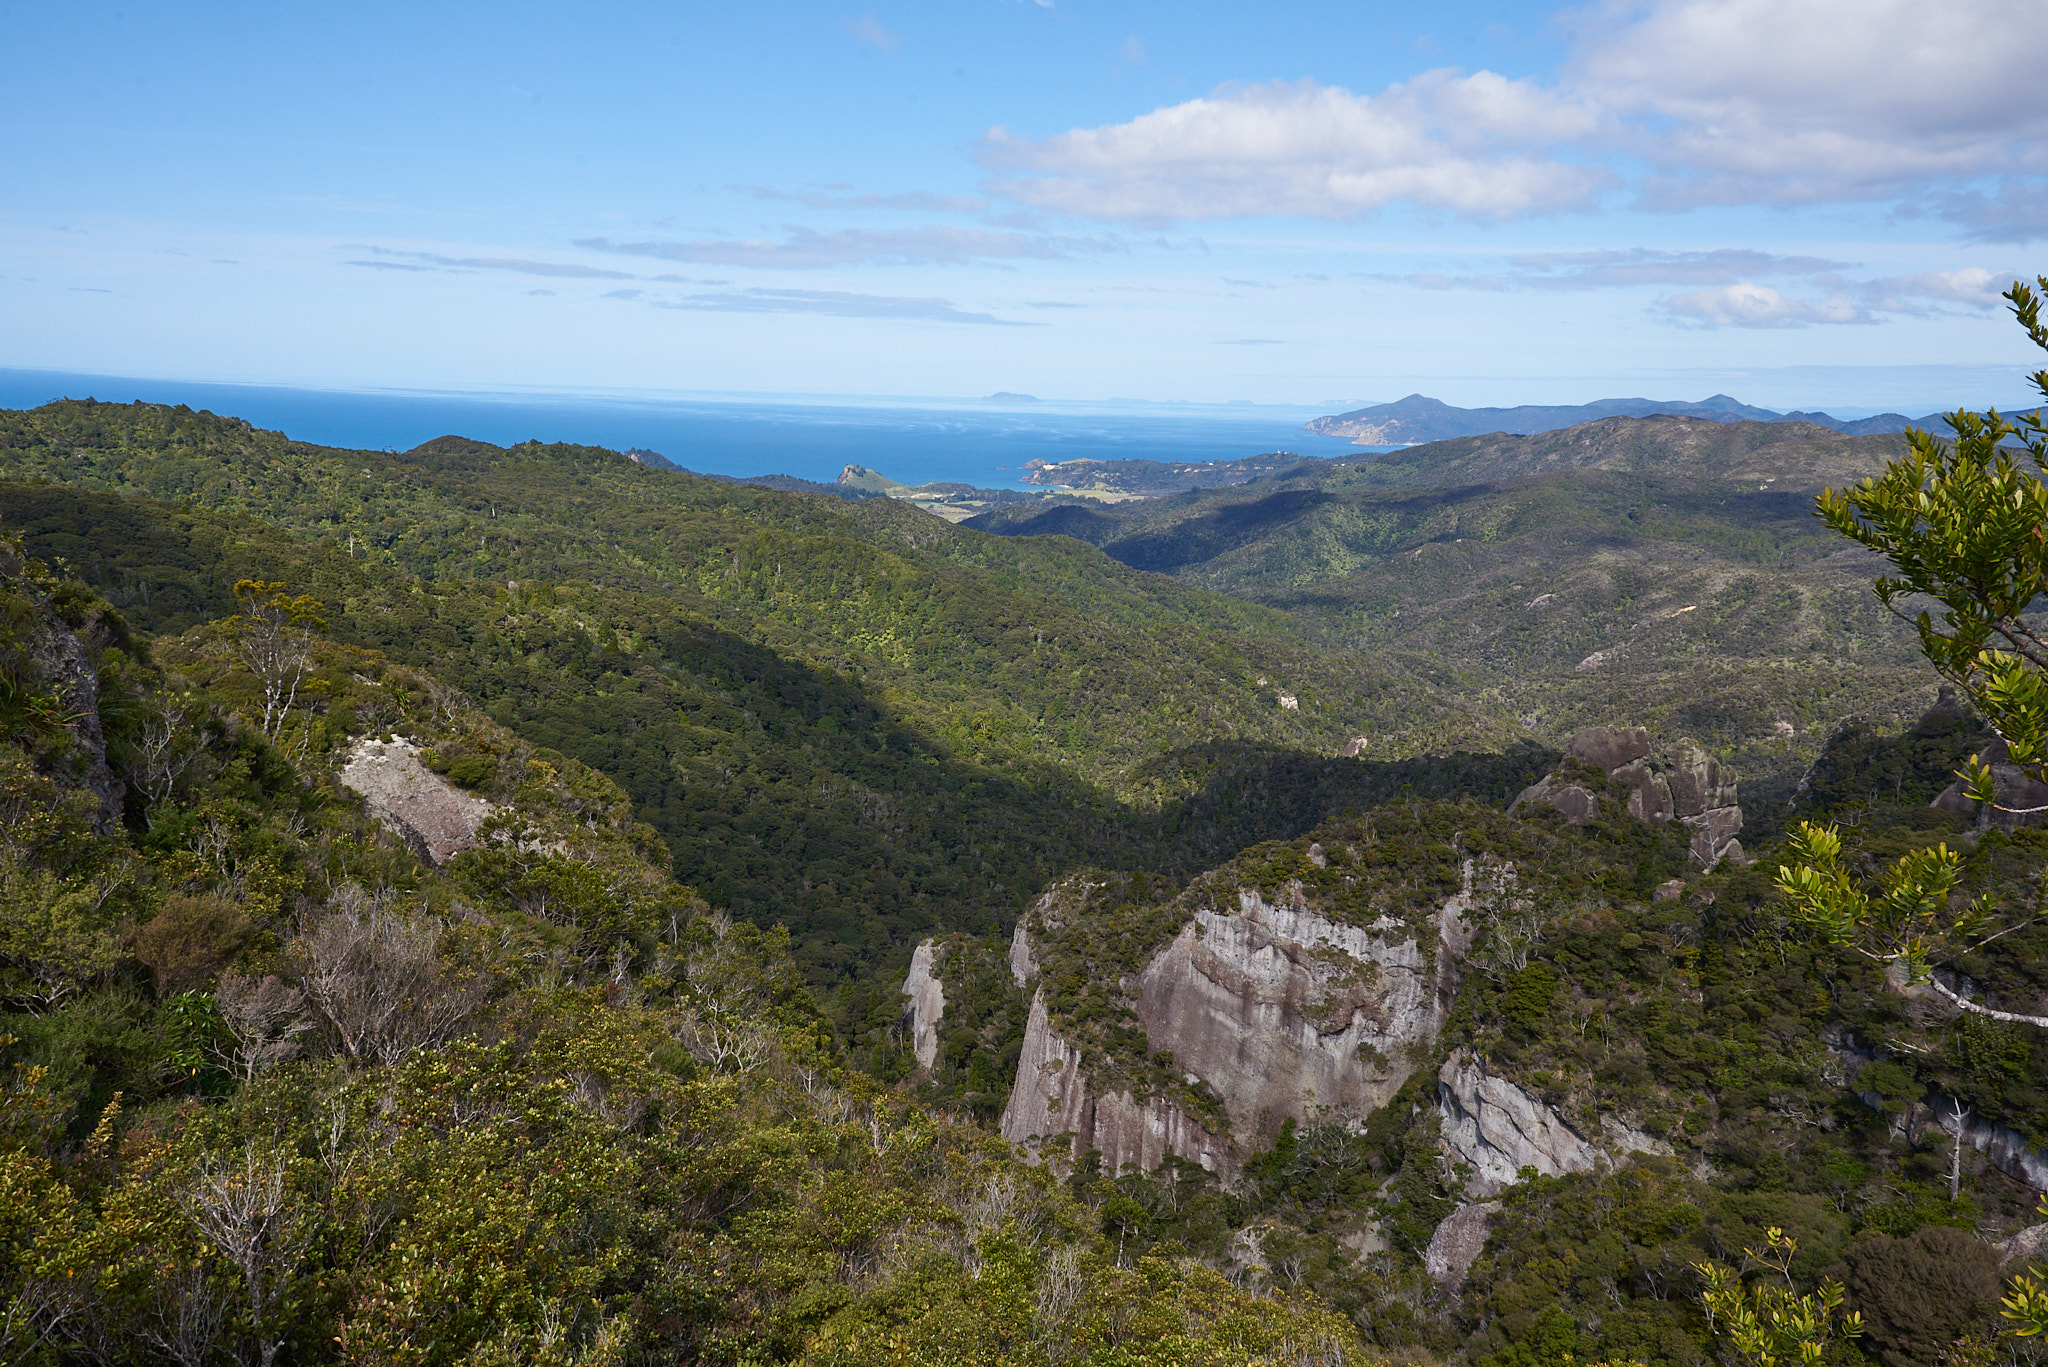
column 433, row 816
column 927, row 1005
column 1458, row 1242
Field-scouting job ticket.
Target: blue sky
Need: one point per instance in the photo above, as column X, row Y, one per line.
column 1800, row 202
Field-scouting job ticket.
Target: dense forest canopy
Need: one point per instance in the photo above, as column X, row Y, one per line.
column 460, row 905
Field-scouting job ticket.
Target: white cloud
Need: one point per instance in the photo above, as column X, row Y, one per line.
column 1475, row 146
column 830, row 303
column 1693, row 101
column 1759, row 306
column 1751, row 305
column 1923, row 293
column 1785, row 101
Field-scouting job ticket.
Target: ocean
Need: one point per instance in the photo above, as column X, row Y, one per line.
column 916, row 441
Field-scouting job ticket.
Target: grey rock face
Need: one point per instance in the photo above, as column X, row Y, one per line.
column 65, row 663
column 1499, row 1129
column 1608, row 748
column 428, row 812
column 1284, row 1013
column 1022, row 966
column 2020, row 800
column 2006, row 1147
column 2025, row 1246
column 1050, row 1104
column 1458, row 1242
column 927, row 1005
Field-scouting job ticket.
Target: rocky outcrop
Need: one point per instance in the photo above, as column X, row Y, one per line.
column 433, row 816
column 1678, row 782
column 1458, row 1242
column 1497, row 1129
column 927, row 1005
column 1051, row 1104
column 1286, row 1014
column 2019, row 799
column 45, row 651
column 1279, row 1012
column 2024, row 1247
column 2006, row 1148
column 1022, row 966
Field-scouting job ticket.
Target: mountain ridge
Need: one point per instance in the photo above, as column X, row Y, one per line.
column 1418, row 418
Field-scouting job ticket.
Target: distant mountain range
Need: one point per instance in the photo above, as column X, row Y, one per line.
column 1418, row 418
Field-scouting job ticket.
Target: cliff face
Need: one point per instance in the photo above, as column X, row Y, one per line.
column 1498, row 1129
column 1051, row 1104
column 1284, row 1013
column 1273, row 1010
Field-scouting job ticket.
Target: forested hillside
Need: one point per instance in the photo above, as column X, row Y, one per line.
column 504, row 905
column 279, row 1090
column 848, row 718
column 1665, row 570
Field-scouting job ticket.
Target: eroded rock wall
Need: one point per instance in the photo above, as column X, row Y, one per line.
column 1286, row 1014
column 1281, row 1013
column 927, row 1005
column 1051, row 1105
column 1498, row 1129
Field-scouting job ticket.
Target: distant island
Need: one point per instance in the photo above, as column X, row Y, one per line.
column 1005, row 396
column 1419, row 418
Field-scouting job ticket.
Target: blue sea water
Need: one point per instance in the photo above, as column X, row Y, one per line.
column 914, row 441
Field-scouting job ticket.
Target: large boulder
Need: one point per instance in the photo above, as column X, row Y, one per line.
column 422, row 808
column 2020, row 798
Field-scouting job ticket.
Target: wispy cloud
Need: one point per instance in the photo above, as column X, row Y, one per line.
column 805, row 249
column 2018, row 212
column 434, row 261
column 1752, row 305
column 1733, row 291
column 1759, row 306
column 912, row 201
column 835, row 304
column 868, row 30
column 1051, row 304
column 1642, row 266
